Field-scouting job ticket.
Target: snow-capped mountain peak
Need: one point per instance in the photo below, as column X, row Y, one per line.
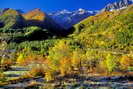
column 64, row 11
column 81, row 11
column 118, row 5
column 68, row 18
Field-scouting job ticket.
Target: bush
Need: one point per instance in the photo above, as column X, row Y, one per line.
column 65, row 66
column 111, row 63
column 50, row 75
column 78, row 59
column 31, row 30
column 2, row 77
column 60, row 51
column 5, row 64
column 102, row 67
column 21, row 59
column 92, row 60
column 37, row 70
column 126, row 62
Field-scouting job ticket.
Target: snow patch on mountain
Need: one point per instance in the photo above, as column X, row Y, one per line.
column 118, row 5
column 67, row 18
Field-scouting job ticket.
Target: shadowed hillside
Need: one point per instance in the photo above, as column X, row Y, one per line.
column 11, row 19
column 38, row 18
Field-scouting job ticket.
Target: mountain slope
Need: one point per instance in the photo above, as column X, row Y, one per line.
column 35, row 14
column 108, row 30
column 67, row 18
column 39, row 18
column 118, row 5
column 11, row 19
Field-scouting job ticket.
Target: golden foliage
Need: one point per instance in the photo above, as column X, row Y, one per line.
column 21, row 59
column 2, row 77
column 65, row 66
column 126, row 62
column 60, row 51
column 11, row 12
column 49, row 75
column 37, row 71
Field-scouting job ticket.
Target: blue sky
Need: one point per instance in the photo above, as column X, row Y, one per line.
column 54, row 5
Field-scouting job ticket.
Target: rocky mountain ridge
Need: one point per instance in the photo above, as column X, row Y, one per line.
column 68, row 18
column 117, row 5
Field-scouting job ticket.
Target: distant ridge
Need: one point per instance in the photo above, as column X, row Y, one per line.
column 117, row 5
column 67, row 18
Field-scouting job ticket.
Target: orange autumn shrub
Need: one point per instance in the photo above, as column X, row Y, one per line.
column 65, row 66
column 30, row 59
column 21, row 59
column 126, row 62
column 38, row 59
column 5, row 64
column 50, row 75
column 37, row 71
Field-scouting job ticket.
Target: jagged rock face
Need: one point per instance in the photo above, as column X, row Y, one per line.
column 67, row 19
column 118, row 5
